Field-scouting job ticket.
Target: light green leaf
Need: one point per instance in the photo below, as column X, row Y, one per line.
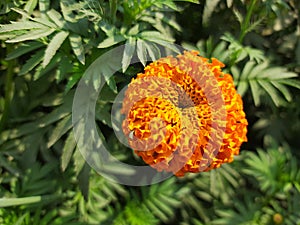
column 110, row 41
column 56, row 18
column 167, row 45
column 7, row 202
column 153, row 51
column 255, row 92
column 242, row 88
column 45, row 21
column 30, row 6
column 167, row 3
column 44, row 6
column 272, row 92
column 283, row 89
column 128, row 53
column 24, row 25
column 290, row 82
column 31, row 35
column 78, row 49
column 141, row 51
column 155, row 36
column 54, row 45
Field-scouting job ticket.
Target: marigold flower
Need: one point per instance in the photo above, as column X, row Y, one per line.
column 169, row 116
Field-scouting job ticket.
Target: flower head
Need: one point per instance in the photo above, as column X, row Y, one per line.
column 171, row 109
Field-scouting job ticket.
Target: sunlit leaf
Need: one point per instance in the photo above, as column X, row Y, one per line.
column 54, row 45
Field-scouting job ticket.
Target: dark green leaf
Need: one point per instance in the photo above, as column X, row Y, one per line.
column 23, row 49
column 32, row 62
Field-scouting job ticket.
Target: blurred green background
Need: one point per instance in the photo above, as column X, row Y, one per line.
column 46, row 45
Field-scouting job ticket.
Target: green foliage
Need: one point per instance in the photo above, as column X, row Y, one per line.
column 48, row 45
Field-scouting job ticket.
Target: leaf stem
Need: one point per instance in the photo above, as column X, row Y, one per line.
column 246, row 21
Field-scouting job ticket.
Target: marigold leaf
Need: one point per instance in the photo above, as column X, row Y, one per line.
column 255, row 92
column 41, row 71
column 32, row 62
column 291, row 82
column 128, row 53
column 31, row 35
column 154, row 36
column 30, row 6
column 110, row 41
column 60, row 129
column 141, row 51
column 283, row 89
column 153, row 51
column 271, row 91
column 24, row 25
column 56, row 18
column 242, row 87
column 53, row 46
column 78, row 49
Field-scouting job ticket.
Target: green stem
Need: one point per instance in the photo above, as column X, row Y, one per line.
column 246, row 21
column 9, row 90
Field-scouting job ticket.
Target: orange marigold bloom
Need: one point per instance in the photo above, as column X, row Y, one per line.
column 169, row 114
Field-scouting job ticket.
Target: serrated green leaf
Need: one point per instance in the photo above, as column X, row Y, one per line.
column 155, row 36
column 141, row 51
column 56, row 18
column 79, row 161
column 276, row 73
column 153, row 51
column 167, row 45
column 23, row 49
column 128, row 53
column 44, row 6
column 41, row 71
column 32, row 62
column 271, row 91
column 53, row 46
column 45, row 21
column 283, row 89
column 67, row 151
column 167, row 3
column 291, row 82
column 31, row 35
column 60, row 129
column 24, row 25
column 78, row 49
column 30, row 6
column 110, row 41
column 255, row 92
